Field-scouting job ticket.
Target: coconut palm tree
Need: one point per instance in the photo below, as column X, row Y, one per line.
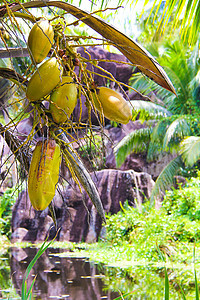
column 175, row 123
column 171, row 134
column 10, row 16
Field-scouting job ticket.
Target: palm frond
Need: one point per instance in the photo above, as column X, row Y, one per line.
column 177, row 129
column 157, row 137
column 159, row 130
column 148, row 111
column 190, row 150
column 165, row 179
column 186, row 12
column 154, row 150
column 136, row 141
column 182, row 66
column 145, row 86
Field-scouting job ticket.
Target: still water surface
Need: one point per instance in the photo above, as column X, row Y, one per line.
column 59, row 278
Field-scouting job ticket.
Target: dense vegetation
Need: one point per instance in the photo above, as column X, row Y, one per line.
column 172, row 228
column 171, row 233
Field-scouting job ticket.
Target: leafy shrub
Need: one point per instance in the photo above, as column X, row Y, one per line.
column 151, row 229
column 6, row 203
column 184, row 201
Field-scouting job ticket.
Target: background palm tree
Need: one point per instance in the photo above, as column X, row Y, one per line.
column 175, row 120
column 183, row 15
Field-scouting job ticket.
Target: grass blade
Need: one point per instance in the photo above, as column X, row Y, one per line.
column 195, row 276
column 166, row 285
column 29, row 294
column 123, row 296
column 196, row 286
column 24, row 288
column 182, row 292
column 166, row 295
column 25, row 294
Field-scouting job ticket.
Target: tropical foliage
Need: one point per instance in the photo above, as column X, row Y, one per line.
column 181, row 113
column 183, row 15
column 182, row 66
column 171, row 127
column 6, row 202
column 175, row 224
column 190, row 150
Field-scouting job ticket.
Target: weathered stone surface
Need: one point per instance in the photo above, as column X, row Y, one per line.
column 24, row 128
column 76, row 216
column 19, row 234
column 136, row 162
column 116, row 134
column 8, row 167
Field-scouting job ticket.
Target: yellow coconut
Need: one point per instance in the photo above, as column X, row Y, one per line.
column 63, row 100
column 113, row 105
column 44, row 173
column 40, row 40
column 44, row 80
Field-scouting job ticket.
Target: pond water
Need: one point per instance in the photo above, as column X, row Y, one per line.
column 60, row 276
column 57, row 277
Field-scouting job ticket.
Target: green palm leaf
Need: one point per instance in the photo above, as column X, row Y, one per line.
column 165, row 179
column 186, row 11
column 182, row 66
column 159, row 130
column 148, row 110
column 136, row 141
column 157, row 137
column 177, row 129
column 190, row 150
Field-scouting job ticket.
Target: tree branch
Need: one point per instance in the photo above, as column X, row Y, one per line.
column 16, row 147
column 13, row 76
column 13, row 52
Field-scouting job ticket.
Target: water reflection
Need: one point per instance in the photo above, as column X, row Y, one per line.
column 59, row 278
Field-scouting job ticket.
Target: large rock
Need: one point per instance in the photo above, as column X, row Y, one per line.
column 135, row 161
column 116, row 65
column 76, row 215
